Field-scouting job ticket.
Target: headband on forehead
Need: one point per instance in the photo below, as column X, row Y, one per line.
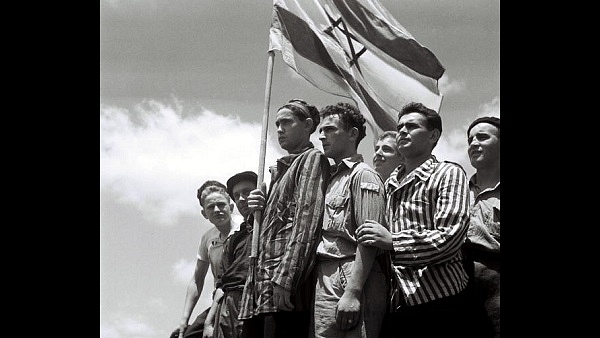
column 299, row 105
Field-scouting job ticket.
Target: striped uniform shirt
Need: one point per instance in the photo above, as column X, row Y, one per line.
column 428, row 212
column 289, row 230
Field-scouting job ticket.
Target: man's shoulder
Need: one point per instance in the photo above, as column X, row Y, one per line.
column 311, row 156
column 445, row 164
column 313, row 152
column 362, row 168
column 363, row 172
column 210, row 234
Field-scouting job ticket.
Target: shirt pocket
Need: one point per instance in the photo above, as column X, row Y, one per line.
column 336, row 207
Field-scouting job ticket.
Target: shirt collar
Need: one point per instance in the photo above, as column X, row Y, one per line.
column 346, row 163
column 286, row 161
column 473, row 184
column 421, row 172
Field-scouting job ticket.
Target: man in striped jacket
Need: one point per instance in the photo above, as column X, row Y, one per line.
column 276, row 302
column 427, row 211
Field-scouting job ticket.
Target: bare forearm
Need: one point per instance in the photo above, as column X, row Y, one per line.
column 191, row 299
column 365, row 256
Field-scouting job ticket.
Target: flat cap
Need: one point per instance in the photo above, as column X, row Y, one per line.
column 243, row 176
column 487, row 119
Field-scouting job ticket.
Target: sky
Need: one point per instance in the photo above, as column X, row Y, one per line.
column 182, row 90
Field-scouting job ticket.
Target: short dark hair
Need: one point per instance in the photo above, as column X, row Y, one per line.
column 433, row 119
column 211, row 186
column 302, row 111
column 495, row 121
column 350, row 116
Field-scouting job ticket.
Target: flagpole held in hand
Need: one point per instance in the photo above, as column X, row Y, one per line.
column 261, row 170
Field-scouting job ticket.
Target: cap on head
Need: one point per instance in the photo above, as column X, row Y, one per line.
column 495, row 121
column 243, row 176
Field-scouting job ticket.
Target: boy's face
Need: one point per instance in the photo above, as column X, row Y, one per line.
column 217, row 209
column 386, row 157
column 337, row 142
column 414, row 139
column 292, row 133
column 484, row 145
column 240, row 192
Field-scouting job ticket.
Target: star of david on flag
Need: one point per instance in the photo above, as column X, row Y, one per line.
column 356, row 49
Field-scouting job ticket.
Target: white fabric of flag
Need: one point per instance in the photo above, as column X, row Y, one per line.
column 356, row 49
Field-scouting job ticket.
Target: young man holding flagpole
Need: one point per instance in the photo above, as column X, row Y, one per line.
column 277, row 300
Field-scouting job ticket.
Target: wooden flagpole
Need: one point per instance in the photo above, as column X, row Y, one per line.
column 263, row 151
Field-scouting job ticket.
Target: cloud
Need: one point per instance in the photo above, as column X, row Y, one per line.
column 155, row 157
column 183, row 270
column 452, row 146
column 448, row 86
column 158, row 305
column 109, row 331
column 130, row 5
column 127, row 327
column 491, row 108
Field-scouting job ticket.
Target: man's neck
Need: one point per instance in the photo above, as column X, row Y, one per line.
column 411, row 164
column 488, row 177
column 348, row 154
column 225, row 229
column 300, row 149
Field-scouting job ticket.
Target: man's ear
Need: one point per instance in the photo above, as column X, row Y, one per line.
column 435, row 136
column 203, row 213
column 231, row 206
column 353, row 133
column 309, row 123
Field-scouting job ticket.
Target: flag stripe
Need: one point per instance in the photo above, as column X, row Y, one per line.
column 383, row 119
column 373, row 29
column 317, row 41
column 304, row 40
column 307, row 44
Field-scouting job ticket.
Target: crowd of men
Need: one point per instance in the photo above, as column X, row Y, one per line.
column 407, row 247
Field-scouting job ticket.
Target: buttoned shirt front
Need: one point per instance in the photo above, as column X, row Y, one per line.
column 428, row 214
column 355, row 193
column 484, row 226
